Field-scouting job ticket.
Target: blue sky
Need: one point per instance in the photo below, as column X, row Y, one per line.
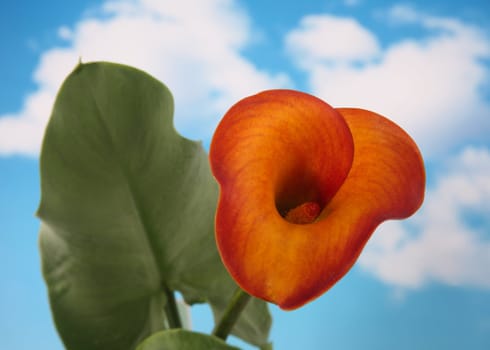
column 420, row 284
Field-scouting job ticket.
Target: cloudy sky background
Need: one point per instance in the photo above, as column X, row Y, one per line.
column 420, row 284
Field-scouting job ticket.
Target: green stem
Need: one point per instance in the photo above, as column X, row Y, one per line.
column 236, row 305
column 171, row 310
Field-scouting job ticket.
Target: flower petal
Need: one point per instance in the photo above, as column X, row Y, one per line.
column 387, row 176
column 282, row 154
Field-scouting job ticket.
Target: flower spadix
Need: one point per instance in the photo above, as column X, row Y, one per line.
column 302, row 188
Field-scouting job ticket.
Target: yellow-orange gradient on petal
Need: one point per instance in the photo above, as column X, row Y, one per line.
column 302, row 188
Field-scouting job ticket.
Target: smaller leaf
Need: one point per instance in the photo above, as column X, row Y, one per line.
column 179, row 339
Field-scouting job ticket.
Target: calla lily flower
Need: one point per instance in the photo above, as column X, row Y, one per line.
column 302, row 188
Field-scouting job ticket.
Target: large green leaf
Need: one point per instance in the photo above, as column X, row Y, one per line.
column 127, row 212
column 183, row 340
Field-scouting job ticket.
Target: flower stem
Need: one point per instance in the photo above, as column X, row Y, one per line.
column 171, row 310
column 235, row 307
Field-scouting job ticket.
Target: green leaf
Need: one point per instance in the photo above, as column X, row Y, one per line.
column 127, row 210
column 267, row 346
column 179, row 339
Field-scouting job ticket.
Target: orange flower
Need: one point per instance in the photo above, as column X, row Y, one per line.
column 302, row 188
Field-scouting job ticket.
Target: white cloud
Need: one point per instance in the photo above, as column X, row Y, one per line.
column 403, row 14
column 449, row 241
column 65, row 33
column 192, row 46
column 430, row 86
column 325, row 39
